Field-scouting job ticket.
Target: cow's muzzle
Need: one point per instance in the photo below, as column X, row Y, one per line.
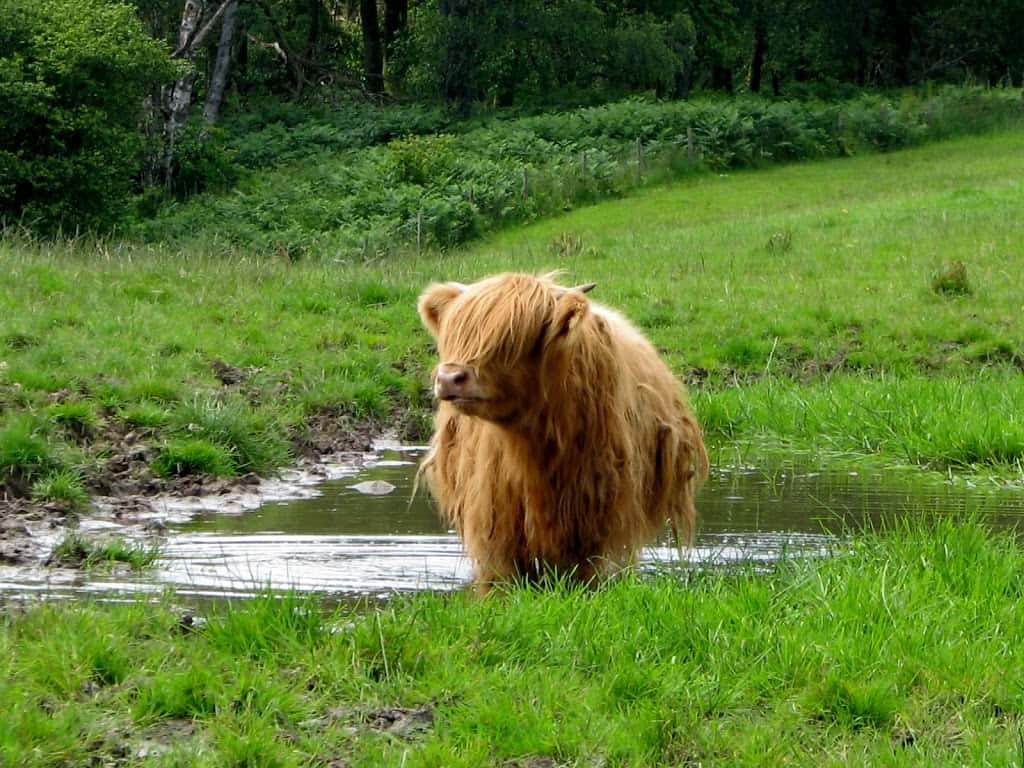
column 455, row 382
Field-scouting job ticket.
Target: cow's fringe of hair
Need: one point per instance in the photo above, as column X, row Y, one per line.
column 605, row 453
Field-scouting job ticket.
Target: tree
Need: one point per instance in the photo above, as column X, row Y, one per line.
column 222, row 64
column 73, row 76
column 373, row 51
column 459, row 54
column 396, row 17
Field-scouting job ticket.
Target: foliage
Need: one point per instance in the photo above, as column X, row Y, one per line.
column 444, row 189
column 73, row 74
column 521, row 52
column 272, row 132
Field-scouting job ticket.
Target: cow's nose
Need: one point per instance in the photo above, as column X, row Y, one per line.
column 452, row 382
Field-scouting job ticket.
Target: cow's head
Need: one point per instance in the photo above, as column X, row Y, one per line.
column 495, row 339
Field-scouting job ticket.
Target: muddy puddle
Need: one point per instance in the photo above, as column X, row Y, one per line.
column 356, row 532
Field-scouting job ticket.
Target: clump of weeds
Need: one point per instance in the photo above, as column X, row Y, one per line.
column 951, row 280
column 25, row 454
column 62, row 486
column 781, row 241
column 182, row 458
column 76, row 416
column 79, row 552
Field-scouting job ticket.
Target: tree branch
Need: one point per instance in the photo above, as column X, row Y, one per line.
column 197, row 39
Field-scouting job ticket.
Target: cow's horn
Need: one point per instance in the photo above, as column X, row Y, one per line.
column 585, row 288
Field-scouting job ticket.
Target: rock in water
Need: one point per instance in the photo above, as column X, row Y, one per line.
column 373, row 487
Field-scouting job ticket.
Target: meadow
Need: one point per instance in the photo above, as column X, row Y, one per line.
column 858, row 310
column 807, row 306
column 901, row 649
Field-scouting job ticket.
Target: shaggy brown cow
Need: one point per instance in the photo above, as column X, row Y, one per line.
column 561, row 440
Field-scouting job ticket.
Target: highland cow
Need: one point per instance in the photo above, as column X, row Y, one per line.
column 562, row 442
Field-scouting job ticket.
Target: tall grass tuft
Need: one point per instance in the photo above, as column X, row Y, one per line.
column 183, row 458
column 76, row 550
column 63, row 486
column 24, row 452
column 951, row 280
column 938, row 423
column 248, row 437
column 76, row 416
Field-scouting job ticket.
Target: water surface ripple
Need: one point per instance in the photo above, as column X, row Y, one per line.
column 340, row 541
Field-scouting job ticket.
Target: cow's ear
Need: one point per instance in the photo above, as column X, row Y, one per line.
column 570, row 309
column 433, row 302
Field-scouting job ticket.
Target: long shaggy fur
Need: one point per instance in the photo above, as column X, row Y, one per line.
column 582, row 445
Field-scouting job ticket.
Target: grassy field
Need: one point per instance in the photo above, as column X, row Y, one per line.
column 797, row 301
column 801, row 305
column 903, row 649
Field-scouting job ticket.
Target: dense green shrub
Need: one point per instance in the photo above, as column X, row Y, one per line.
column 444, row 189
column 73, row 76
column 274, row 132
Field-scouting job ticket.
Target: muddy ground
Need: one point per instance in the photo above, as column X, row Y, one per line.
column 124, row 490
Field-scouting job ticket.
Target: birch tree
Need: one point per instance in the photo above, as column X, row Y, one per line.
column 178, row 98
column 222, row 65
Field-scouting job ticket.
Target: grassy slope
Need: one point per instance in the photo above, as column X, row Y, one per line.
column 904, row 651
column 817, row 274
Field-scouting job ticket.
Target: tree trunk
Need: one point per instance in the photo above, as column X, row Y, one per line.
column 179, row 100
column 313, row 35
column 760, row 48
column 242, row 54
column 458, row 56
column 721, row 78
column 219, row 79
column 396, row 16
column 373, row 53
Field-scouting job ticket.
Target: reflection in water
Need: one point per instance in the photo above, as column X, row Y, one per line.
column 345, row 542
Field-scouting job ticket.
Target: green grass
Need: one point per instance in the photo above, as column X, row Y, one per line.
column 77, row 550
column 193, row 457
column 903, row 649
column 25, row 453
column 964, row 423
column 78, row 417
column 445, row 189
column 797, row 301
column 61, row 486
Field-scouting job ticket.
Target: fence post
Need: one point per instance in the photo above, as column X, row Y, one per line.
column 691, row 145
column 419, row 231
column 639, row 153
column 526, row 183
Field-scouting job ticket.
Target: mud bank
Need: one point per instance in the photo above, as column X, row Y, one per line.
column 139, row 508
